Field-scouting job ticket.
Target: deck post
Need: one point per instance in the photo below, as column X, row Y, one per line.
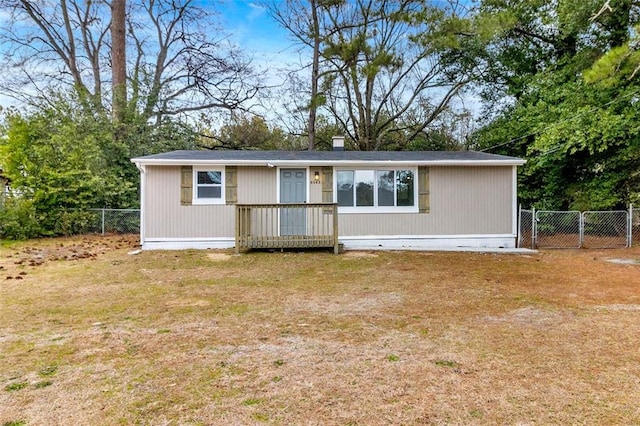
column 238, row 208
column 336, row 244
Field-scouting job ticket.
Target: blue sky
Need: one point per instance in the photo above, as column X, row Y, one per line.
column 254, row 30
column 250, row 22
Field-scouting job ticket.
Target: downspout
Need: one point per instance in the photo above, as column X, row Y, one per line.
column 143, row 198
column 514, row 204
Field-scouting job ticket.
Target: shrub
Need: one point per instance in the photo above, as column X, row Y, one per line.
column 19, row 219
column 74, row 222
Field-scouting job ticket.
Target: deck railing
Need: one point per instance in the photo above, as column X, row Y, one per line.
column 269, row 226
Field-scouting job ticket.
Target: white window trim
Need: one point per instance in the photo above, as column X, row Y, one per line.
column 195, row 199
column 375, row 208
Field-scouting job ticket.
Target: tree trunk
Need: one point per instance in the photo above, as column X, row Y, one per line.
column 313, row 105
column 118, row 59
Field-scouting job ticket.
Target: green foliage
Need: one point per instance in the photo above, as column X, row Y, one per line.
column 19, row 219
column 73, row 222
column 620, row 62
column 325, row 131
column 15, row 386
column 63, row 159
column 247, row 132
column 574, row 117
column 582, row 145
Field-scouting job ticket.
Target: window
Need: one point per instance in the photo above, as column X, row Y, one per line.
column 376, row 190
column 208, row 187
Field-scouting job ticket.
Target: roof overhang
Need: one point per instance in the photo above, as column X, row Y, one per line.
column 320, row 163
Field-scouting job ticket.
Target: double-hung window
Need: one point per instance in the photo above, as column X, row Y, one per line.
column 379, row 190
column 208, row 186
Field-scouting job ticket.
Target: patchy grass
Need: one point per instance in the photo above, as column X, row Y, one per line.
column 92, row 335
column 16, row 386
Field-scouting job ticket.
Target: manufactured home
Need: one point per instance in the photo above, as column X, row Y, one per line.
column 297, row 199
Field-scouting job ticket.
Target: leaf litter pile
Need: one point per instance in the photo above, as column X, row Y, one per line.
column 91, row 334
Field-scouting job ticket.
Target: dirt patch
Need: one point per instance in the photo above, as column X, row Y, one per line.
column 218, row 257
column 187, row 303
column 360, row 254
column 529, row 316
column 19, row 260
column 343, row 305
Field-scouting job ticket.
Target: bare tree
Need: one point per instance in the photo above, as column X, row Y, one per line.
column 180, row 62
column 302, row 19
column 190, row 71
column 379, row 70
column 388, row 75
column 48, row 46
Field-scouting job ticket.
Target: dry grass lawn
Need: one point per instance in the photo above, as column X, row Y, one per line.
column 92, row 335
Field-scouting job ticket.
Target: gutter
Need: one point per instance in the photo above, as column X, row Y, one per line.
column 318, row 163
column 143, row 199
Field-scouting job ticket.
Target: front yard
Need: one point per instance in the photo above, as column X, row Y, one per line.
column 90, row 334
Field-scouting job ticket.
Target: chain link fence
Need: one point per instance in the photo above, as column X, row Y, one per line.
column 114, row 221
column 525, row 232
column 574, row 229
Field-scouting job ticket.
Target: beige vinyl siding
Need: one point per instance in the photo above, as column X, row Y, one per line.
column 315, row 188
column 165, row 217
column 257, row 185
column 463, row 200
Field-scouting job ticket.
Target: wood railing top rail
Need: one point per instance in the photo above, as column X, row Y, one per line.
column 275, row 205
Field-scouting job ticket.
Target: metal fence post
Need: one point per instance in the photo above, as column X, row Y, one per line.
column 519, row 236
column 534, row 237
column 102, row 222
column 630, row 226
column 581, row 230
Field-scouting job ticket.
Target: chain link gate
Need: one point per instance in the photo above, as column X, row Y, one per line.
column 605, row 229
column 574, row 229
column 556, row 229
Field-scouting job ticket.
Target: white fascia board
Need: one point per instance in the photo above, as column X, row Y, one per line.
column 318, row 163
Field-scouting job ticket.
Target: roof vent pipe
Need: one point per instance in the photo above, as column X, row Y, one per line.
column 338, row 143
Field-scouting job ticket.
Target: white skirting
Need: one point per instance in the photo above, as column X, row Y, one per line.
column 188, row 243
column 429, row 242
column 369, row 242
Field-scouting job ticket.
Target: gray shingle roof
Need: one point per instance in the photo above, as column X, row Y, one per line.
column 328, row 157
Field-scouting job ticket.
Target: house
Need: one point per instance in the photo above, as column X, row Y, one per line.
column 362, row 200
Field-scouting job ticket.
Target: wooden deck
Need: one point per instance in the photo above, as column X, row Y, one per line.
column 274, row 226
